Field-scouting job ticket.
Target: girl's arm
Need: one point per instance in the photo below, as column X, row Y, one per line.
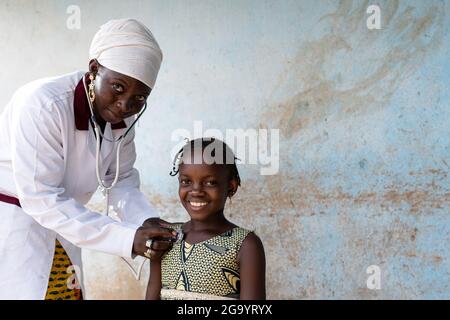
column 252, row 265
column 154, row 282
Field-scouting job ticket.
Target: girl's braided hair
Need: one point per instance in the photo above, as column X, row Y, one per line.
column 228, row 154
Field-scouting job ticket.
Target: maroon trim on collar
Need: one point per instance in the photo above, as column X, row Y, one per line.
column 82, row 112
column 9, row 199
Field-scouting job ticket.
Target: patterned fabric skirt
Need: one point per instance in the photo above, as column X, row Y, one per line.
column 60, row 276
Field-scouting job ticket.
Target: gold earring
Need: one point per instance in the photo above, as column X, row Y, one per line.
column 91, row 88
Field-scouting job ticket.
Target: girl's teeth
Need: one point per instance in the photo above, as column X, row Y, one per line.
column 198, row 204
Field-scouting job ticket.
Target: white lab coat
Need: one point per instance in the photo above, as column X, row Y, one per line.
column 49, row 166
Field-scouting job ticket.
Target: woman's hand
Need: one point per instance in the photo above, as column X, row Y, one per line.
column 156, row 256
column 157, row 222
column 153, row 229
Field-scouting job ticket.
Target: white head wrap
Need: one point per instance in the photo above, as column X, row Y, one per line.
column 128, row 47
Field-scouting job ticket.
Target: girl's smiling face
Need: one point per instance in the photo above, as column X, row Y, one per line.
column 204, row 188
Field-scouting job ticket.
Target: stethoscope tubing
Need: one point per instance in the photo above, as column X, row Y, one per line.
column 105, row 189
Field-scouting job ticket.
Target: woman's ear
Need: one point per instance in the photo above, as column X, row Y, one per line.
column 93, row 66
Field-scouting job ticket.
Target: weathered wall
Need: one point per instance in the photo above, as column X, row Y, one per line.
column 363, row 118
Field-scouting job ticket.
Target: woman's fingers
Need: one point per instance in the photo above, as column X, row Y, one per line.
column 161, row 245
column 158, row 223
column 153, row 254
column 143, row 234
column 159, row 232
column 156, row 230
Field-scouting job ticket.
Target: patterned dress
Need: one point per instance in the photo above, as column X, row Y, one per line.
column 59, row 276
column 209, row 267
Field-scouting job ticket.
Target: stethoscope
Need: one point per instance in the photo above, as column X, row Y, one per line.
column 103, row 188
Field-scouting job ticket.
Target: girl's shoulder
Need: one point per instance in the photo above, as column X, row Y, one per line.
column 247, row 237
column 251, row 247
column 235, row 236
column 239, row 232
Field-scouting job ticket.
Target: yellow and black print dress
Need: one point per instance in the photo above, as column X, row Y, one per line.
column 57, row 288
column 209, row 267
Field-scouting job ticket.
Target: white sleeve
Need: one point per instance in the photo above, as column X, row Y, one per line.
column 127, row 200
column 38, row 169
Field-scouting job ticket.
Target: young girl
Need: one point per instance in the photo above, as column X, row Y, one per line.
column 215, row 259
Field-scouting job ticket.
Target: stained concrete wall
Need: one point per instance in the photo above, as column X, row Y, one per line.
column 363, row 118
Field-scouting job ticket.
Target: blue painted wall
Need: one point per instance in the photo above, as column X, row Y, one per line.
column 363, row 118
